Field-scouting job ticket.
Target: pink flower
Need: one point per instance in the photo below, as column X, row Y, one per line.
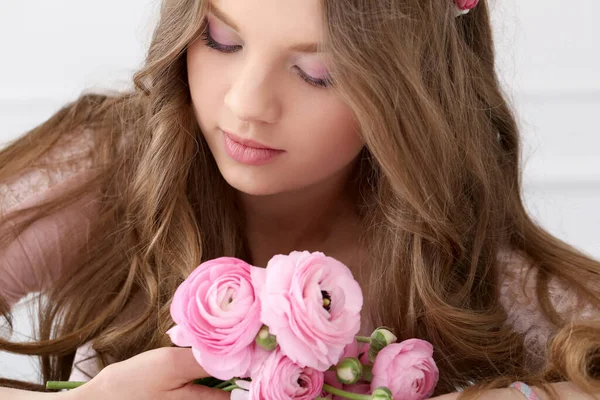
column 312, row 304
column 217, row 312
column 357, row 350
column 243, row 393
column 330, row 378
column 279, row 378
column 361, row 387
column 407, row 369
column 466, row 4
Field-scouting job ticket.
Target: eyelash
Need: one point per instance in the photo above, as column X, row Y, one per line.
column 210, row 42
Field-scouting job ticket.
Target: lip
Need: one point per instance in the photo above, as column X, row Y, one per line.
column 247, row 154
column 247, row 142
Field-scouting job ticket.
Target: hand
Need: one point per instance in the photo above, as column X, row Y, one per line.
column 165, row 373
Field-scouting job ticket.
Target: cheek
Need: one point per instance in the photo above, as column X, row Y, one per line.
column 202, row 83
column 196, row 67
column 332, row 135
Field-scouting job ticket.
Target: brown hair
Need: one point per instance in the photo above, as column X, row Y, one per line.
column 440, row 192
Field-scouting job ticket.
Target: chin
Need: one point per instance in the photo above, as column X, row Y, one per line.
column 250, row 186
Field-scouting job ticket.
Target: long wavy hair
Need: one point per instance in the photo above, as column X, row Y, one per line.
column 439, row 178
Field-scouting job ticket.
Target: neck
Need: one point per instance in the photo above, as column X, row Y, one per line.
column 314, row 219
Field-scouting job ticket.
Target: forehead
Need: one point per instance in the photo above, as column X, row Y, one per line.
column 296, row 22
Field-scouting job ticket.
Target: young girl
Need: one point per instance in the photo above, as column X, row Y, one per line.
column 373, row 131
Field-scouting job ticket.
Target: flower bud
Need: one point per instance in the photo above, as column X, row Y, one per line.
column 380, row 338
column 265, row 340
column 382, row 393
column 349, row 370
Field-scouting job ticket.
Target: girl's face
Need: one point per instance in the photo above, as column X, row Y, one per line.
column 255, row 75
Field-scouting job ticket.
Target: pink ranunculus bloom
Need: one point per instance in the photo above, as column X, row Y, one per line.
column 312, row 304
column 243, row 393
column 357, row 350
column 466, row 4
column 407, row 369
column 363, row 354
column 329, row 377
column 361, row 387
column 217, row 312
column 279, row 378
column 358, row 388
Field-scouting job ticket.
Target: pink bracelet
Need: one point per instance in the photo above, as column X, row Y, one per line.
column 525, row 389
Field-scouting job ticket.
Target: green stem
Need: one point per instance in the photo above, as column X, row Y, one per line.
column 367, row 373
column 363, row 339
column 223, row 384
column 231, row 387
column 58, row 385
column 343, row 393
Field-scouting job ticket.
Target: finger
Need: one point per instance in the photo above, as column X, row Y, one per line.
column 192, row 391
column 181, row 366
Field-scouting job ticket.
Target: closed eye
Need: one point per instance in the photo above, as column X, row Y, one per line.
column 209, row 41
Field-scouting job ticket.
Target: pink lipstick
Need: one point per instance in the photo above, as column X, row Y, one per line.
column 248, row 151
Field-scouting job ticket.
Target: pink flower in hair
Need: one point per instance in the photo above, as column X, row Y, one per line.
column 466, row 5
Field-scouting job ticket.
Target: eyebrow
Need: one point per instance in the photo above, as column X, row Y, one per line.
column 300, row 47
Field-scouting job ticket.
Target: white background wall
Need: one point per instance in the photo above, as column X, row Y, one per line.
column 548, row 58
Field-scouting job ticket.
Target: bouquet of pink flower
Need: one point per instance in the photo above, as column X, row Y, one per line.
column 288, row 331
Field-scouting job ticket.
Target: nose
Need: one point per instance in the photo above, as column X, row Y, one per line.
column 252, row 95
